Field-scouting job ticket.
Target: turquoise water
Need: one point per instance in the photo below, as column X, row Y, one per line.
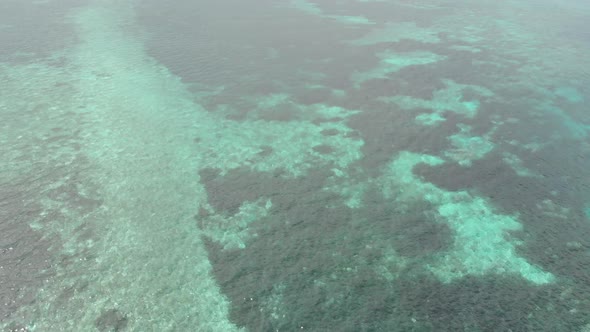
column 297, row 165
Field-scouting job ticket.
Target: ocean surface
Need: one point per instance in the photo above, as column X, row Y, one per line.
column 295, row 165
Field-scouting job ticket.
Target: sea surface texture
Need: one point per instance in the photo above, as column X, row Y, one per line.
column 295, row 165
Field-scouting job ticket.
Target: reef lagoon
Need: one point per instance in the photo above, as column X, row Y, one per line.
column 296, row 165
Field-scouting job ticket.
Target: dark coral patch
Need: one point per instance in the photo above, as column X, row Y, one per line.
column 265, row 151
column 111, row 320
column 323, row 149
column 330, row 132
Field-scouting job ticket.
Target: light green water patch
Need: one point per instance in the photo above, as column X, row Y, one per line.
column 533, row 146
column 391, row 62
column 481, row 244
column 232, row 232
column 449, row 99
column 227, row 144
column 307, row 7
column 548, row 104
column 292, row 144
column 315, row 86
column 329, row 112
column 430, row 119
column 284, row 102
column 145, row 258
column 313, row 9
column 337, row 93
column 350, row 19
column 517, row 165
column 587, row 211
column 405, row 3
column 466, row 147
column 570, row 94
column 549, row 208
column 574, row 129
column 273, row 100
column 395, row 32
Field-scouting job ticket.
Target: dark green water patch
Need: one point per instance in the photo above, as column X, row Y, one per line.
column 111, row 320
column 24, row 253
column 285, row 45
column 323, row 149
column 314, row 262
column 278, row 114
column 419, row 235
column 489, row 176
column 330, row 132
column 28, row 257
column 492, row 303
column 45, row 185
column 322, row 275
column 387, row 130
column 226, row 193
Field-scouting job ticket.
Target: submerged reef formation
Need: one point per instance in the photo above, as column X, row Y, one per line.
column 311, row 165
